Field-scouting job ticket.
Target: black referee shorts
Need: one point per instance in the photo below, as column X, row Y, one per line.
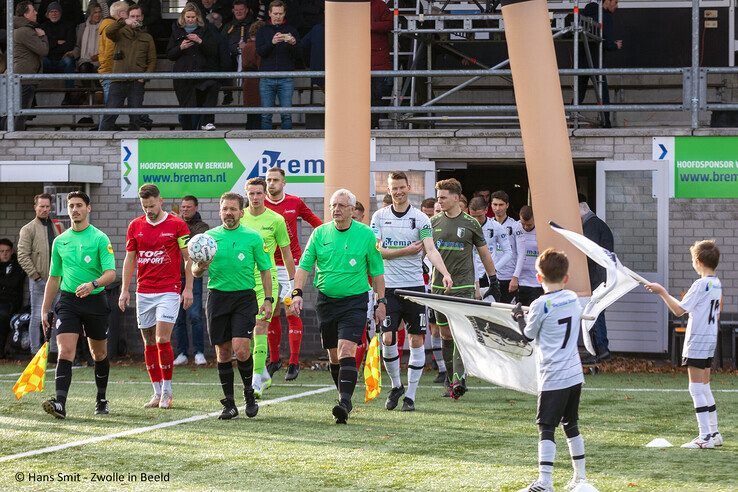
column 341, row 318
column 83, row 315
column 559, row 406
column 231, row 315
column 401, row 309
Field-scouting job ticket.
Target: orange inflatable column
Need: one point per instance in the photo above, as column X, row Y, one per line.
column 543, row 127
column 347, row 99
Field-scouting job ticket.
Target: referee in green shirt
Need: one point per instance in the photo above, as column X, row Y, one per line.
column 82, row 263
column 344, row 252
column 232, row 306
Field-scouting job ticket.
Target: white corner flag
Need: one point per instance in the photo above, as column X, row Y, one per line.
column 620, row 279
column 488, row 339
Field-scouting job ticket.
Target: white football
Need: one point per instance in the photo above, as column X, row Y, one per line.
column 584, row 487
column 202, row 247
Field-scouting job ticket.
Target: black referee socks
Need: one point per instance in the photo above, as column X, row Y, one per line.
column 225, row 372
column 102, row 370
column 334, row 373
column 63, row 379
column 347, row 376
column 246, row 370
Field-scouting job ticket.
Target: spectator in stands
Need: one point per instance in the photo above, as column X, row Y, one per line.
column 61, row 37
column 34, row 256
column 30, row 47
column 381, row 25
column 71, row 10
column 151, row 14
column 609, row 43
column 215, row 20
column 250, row 62
column 106, row 47
column 188, row 212
column 134, row 52
column 313, row 52
column 223, row 7
column 598, row 231
column 276, row 44
column 86, row 51
column 193, row 48
column 11, row 289
column 312, row 13
column 237, row 33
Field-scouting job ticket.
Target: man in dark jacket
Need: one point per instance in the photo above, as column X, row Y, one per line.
column 237, row 33
column 381, row 25
column 12, row 277
column 30, row 48
column 223, row 7
column 188, row 212
column 276, row 44
column 62, row 41
column 72, row 13
column 596, row 230
column 134, row 52
column 609, row 43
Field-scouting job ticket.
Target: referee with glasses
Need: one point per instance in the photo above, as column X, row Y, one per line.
column 343, row 252
column 82, row 264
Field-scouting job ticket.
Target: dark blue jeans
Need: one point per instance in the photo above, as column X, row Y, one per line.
column 269, row 91
column 195, row 314
column 599, row 333
column 65, row 65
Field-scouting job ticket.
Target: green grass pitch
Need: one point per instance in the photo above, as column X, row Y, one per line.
column 485, row 441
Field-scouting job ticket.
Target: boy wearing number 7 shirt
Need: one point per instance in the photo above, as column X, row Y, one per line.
column 553, row 324
column 702, row 302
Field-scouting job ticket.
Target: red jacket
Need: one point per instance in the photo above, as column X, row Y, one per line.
column 382, row 24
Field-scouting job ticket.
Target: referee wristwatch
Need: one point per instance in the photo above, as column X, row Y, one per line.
column 95, row 284
column 382, row 300
column 270, row 299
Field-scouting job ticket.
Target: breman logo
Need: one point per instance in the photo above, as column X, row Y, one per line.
column 303, row 167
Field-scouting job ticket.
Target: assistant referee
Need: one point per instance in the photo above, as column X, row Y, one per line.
column 343, row 252
column 82, row 262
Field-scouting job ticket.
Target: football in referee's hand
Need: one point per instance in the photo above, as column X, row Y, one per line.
column 202, row 248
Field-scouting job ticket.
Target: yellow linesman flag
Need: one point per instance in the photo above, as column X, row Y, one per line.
column 34, row 375
column 372, row 371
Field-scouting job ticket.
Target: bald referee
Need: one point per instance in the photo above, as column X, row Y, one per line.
column 82, row 263
column 343, row 252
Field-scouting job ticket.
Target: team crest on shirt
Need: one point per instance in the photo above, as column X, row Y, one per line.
column 241, row 256
column 87, row 259
column 460, row 232
column 352, row 262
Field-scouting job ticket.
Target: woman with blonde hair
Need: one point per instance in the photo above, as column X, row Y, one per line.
column 193, row 48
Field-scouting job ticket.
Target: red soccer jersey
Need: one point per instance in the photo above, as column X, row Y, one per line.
column 292, row 207
column 158, row 253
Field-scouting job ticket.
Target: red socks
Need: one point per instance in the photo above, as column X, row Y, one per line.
column 274, row 337
column 166, row 360
column 400, row 341
column 361, row 349
column 295, row 338
column 151, row 358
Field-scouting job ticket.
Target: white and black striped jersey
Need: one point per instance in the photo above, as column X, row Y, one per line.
column 553, row 322
column 397, row 230
column 507, row 270
column 495, row 235
column 526, row 246
column 702, row 302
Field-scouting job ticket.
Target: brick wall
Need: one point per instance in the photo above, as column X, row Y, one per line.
column 689, row 219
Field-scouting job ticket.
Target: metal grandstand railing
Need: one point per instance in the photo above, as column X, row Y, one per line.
column 401, row 111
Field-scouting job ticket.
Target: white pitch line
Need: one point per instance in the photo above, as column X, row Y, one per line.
column 141, row 430
column 489, row 388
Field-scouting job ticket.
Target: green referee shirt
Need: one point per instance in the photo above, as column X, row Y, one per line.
column 240, row 251
column 342, row 259
column 80, row 257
